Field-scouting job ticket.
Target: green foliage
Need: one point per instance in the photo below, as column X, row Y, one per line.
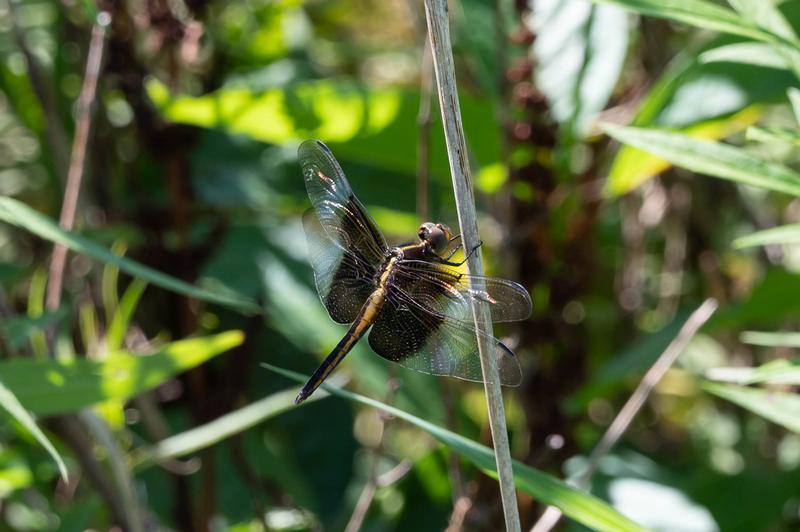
column 16, row 213
column 55, row 387
column 580, row 506
column 778, row 407
column 191, row 170
column 11, row 404
column 715, row 159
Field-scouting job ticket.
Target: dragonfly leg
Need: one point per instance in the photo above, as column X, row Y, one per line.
column 447, row 260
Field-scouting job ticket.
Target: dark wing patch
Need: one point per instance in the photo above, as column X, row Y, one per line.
column 343, row 277
column 410, row 335
column 346, row 248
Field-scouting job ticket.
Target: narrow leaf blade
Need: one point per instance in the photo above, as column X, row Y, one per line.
column 783, row 372
column 578, row 505
column 785, row 234
column 48, row 387
column 12, row 405
column 20, row 215
column 779, row 407
column 711, row 158
column 699, row 13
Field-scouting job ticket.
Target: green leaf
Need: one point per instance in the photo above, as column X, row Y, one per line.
column 779, row 407
column 767, row 16
column 764, row 14
column 372, row 125
column 711, row 158
column 784, row 372
column 122, row 315
column 580, row 506
column 794, row 99
column 751, row 53
column 223, row 427
column 12, row 405
column 773, row 134
column 771, row 339
column 770, row 302
column 633, row 166
column 50, row 386
column 699, row 13
column 580, row 50
column 20, row 215
column 17, row 330
column 785, row 234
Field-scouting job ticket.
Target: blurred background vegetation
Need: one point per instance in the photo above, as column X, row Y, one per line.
column 147, row 380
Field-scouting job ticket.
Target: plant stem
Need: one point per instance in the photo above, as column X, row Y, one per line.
column 83, row 121
column 439, row 34
column 699, row 317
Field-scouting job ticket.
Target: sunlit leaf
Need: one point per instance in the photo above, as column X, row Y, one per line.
column 633, row 166
column 767, row 16
column 580, row 50
column 48, row 387
column 715, row 159
column 781, row 371
column 794, row 99
column 751, row 53
column 785, row 234
column 773, row 134
column 20, row 215
column 771, row 339
column 12, row 405
column 372, row 125
column 699, row 13
column 122, row 315
column 580, row 506
column 779, row 407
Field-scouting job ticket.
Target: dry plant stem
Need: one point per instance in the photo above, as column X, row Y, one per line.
column 120, row 495
column 123, row 481
column 375, row 481
column 623, row 420
column 83, row 121
column 439, row 34
column 424, row 121
column 424, row 134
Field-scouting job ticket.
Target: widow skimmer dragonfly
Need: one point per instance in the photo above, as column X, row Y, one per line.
column 417, row 304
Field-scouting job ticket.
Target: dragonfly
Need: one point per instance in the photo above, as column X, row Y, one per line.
column 412, row 299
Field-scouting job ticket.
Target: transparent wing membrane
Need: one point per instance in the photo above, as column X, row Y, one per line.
column 446, row 291
column 338, row 211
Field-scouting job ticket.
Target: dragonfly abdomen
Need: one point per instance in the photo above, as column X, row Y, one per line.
column 366, row 317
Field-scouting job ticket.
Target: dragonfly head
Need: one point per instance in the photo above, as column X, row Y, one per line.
column 438, row 236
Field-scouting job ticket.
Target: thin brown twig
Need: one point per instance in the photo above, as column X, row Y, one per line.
column 374, row 480
column 83, row 122
column 699, row 317
column 118, row 493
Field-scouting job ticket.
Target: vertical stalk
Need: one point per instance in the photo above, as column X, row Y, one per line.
column 439, row 35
